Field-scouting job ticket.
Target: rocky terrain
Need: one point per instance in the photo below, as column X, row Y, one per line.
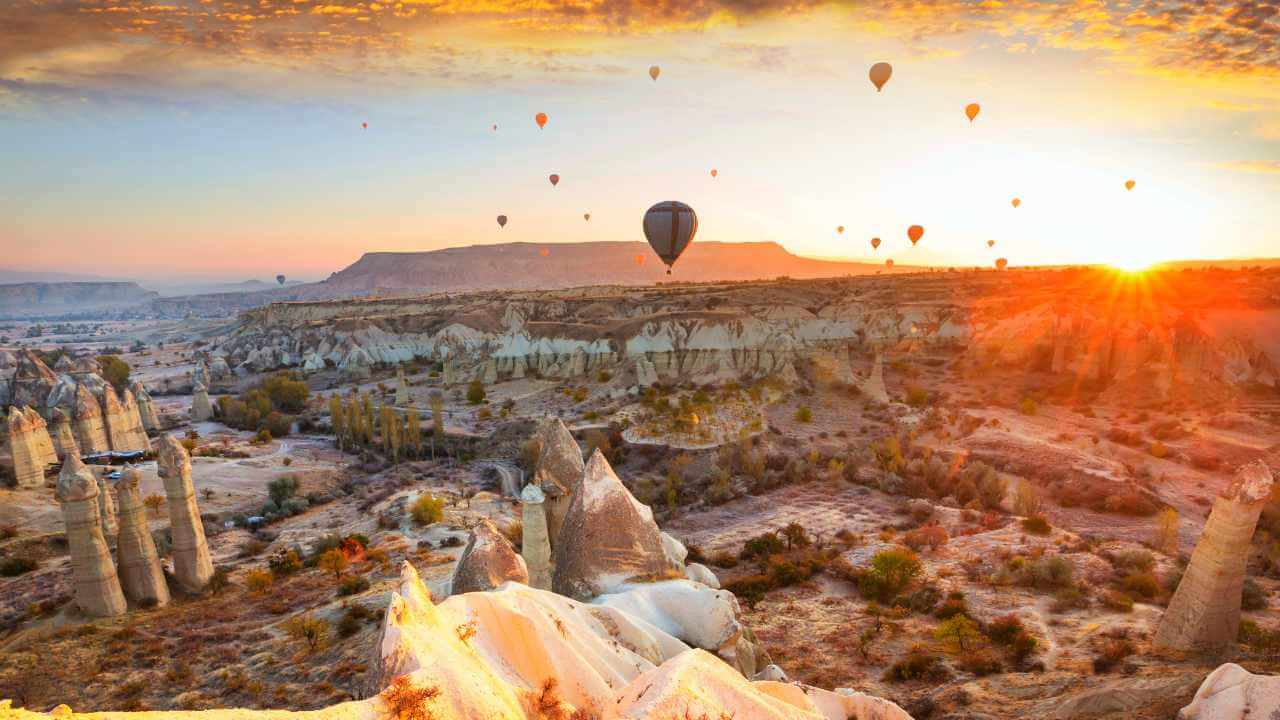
column 60, row 298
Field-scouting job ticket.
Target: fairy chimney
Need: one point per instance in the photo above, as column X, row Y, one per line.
column 192, row 565
column 25, row 450
column 201, row 408
column 64, row 440
column 106, row 507
column 558, row 472
column 90, row 431
column 141, row 576
column 40, row 430
column 135, row 435
column 535, row 546
column 97, row 589
column 146, row 408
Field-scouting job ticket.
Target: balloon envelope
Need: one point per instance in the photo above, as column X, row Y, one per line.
column 971, row 111
column 544, row 252
column 1128, row 184
column 875, row 243
column 541, row 119
column 280, row 279
column 495, row 127
column 914, row 233
column 840, row 229
column 502, row 221
column 653, row 71
column 714, row 172
column 1016, row 202
column 888, row 263
column 364, row 125
column 555, row 179
column 991, row 243
column 880, row 73
column 586, row 216
column 669, row 226
column 1001, row 263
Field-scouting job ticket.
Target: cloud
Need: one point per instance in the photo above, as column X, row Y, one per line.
column 1260, row 167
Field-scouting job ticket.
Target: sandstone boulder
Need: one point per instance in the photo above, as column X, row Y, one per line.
column 558, row 471
column 1233, row 693
column 488, row 561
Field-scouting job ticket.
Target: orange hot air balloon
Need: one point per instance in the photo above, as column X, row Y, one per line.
column 991, row 243
column 880, row 74
column 1001, row 263
column 1016, row 202
column 639, row 259
column 888, row 263
column 1128, row 184
column 502, row 221
column 586, row 216
column 544, row 252
column 714, row 172
column 971, row 110
column 555, row 179
column 914, row 233
column 839, row 229
column 541, row 119
column 875, row 243
column 495, row 127
column 364, row 126
column 654, row 70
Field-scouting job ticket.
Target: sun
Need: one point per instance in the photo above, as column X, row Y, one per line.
column 1131, row 265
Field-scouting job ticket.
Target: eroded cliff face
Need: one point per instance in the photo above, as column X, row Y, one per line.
column 1187, row 334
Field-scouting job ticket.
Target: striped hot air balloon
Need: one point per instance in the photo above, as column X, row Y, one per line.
column 669, row 227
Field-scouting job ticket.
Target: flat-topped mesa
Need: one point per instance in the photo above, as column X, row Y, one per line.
column 141, row 577
column 201, row 408
column 535, row 546
column 63, row 437
column 608, row 537
column 557, row 473
column 488, row 561
column 192, row 565
column 97, row 589
column 86, row 421
column 1204, row 614
column 146, row 408
column 26, row 449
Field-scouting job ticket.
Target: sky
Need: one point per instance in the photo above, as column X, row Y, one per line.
column 224, row 138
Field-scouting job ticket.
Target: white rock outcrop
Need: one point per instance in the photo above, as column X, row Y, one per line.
column 487, row 561
column 1232, row 693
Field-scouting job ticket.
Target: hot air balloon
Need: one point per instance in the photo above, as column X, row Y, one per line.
column 541, row 119
column 714, row 172
column 1001, row 263
column 639, row 259
column 669, row 226
column 839, row 229
column 653, row 72
column 555, row 179
column 888, row 263
column 991, row 243
column 495, row 127
column 544, row 252
column 1015, row 202
column 1128, row 184
column 586, row 216
column 875, row 243
column 971, row 111
column 502, row 221
column 914, row 233
column 880, row 73
column 364, row 125
column 280, row 279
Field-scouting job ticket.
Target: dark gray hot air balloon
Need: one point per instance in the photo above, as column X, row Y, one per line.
column 280, row 279
column 669, row 227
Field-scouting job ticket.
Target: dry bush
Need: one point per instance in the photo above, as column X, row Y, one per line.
column 406, row 701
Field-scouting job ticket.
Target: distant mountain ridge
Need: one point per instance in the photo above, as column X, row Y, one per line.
column 558, row 265
column 38, row 299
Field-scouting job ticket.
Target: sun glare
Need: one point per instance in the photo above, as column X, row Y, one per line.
column 1131, row 265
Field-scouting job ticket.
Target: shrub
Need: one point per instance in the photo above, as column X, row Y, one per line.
column 283, row 562
column 918, row 664
column 1047, row 573
column 115, row 371
column 427, row 509
column 1113, row 651
column 1158, row 449
column 762, row 545
column 282, row 488
column 333, row 561
column 1252, row 596
column 917, row 396
column 258, row 580
column 931, row 536
column 286, row 393
column 804, row 414
column 1116, row 600
column 954, row 605
column 980, row 662
column 1028, row 406
column 406, row 701
column 262, row 437
column 475, row 392
column 14, row 566
column 353, row 584
column 890, row 573
column 959, row 629
column 1036, row 525
column 308, row 629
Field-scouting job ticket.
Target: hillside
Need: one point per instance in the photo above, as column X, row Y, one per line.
column 44, row 299
column 524, row 266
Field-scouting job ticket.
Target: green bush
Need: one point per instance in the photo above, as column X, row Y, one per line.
column 891, row 572
column 804, row 414
column 1037, row 525
column 286, row 392
column 475, row 392
column 427, row 509
column 115, row 371
column 352, row 584
column 14, row 566
column 918, row 664
column 282, row 488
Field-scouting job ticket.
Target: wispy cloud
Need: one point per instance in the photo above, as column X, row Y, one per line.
column 1262, row 167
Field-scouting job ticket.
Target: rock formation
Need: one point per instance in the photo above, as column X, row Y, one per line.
column 489, row 375
column 1204, row 613
column 26, row 449
column 106, row 507
column 535, row 547
column 873, row 385
column 124, row 425
column 40, row 431
column 141, row 576
column 192, row 565
column 200, row 374
column 402, row 387
column 558, row 472
column 218, row 369
column 134, row 431
column 90, row 431
column 1232, row 693
column 201, row 408
column 487, row 561
column 146, row 408
column 97, row 589
column 646, row 373
column 64, row 439
column 32, row 382
column 607, row 538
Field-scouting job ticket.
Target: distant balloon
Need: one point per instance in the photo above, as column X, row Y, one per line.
column 1016, row 202
column 280, row 279
column 971, row 111
column 586, row 216
column 669, row 226
column 1128, row 184
column 839, row 229
column 991, row 243
column 888, row 263
column 914, row 233
column 714, row 172
column 654, row 70
column 875, row 243
column 541, row 119
column 544, row 252
column 502, row 221
column 639, row 259
column 1001, row 263
column 880, row 73
column 495, row 127
column 555, row 179
column 364, row 125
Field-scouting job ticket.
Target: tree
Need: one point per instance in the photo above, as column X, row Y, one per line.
column 437, row 422
column 795, row 535
column 960, row 630
column 308, row 629
column 427, row 509
column 413, row 431
column 337, row 419
column 115, row 371
column 406, row 701
column 890, row 573
column 334, row 561
column 286, row 393
column 1166, row 535
column 1026, row 500
column 475, row 392
column 154, row 503
column 282, row 488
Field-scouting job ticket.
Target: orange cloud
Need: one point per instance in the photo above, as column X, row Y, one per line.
column 1261, row 167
